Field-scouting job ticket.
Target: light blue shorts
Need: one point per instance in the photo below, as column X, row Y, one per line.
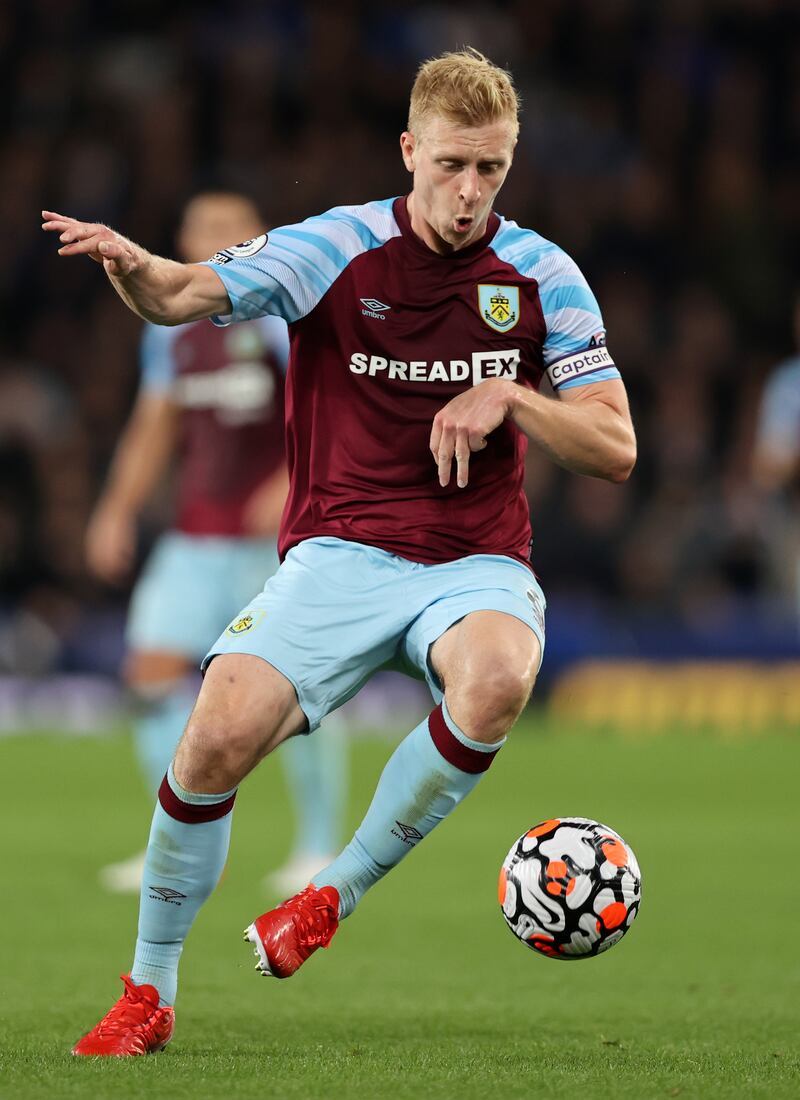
column 337, row 611
column 191, row 586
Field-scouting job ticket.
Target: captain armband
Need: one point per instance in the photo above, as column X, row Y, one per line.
column 579, row 364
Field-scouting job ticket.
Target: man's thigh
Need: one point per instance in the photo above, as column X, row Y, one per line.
column 485, row 647
column 481, row 582
column 332, row 614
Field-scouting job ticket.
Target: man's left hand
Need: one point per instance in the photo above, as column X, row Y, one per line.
column 461, row 427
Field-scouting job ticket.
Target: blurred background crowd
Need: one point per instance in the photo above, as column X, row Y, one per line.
column 658, row 146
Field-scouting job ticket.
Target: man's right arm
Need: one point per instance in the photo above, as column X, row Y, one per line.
column 159, row 290
column 140, row 459
column 776, row 452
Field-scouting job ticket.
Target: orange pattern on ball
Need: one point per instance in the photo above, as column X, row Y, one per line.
column 502, row 883
column 615, row 853
column 613, row 915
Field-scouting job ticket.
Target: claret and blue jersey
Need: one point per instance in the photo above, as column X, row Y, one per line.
column 383, row 333
column 228, row 388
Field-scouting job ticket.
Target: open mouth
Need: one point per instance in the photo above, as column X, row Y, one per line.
column 463, row 224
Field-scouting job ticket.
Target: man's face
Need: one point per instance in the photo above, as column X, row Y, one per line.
column 458, row 170
column 212, row 222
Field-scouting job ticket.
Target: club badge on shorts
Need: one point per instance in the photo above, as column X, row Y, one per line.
column 245, row 622
column 498, row 305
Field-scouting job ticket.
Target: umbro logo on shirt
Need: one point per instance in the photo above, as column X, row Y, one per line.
column 374, row 308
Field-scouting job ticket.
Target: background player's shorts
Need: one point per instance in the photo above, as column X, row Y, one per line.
column 337, row 611
column 191, row 586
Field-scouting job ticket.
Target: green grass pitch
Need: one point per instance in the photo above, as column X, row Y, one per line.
column 424, row 993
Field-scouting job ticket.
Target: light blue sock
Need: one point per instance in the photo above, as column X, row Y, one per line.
column 186, row 854
column 315, row 768
column 427, row 775
column 158, row 722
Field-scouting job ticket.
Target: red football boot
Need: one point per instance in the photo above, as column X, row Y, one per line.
column 135, row 1025
column 284, row 937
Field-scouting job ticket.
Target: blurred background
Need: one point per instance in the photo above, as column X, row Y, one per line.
column 658, row 146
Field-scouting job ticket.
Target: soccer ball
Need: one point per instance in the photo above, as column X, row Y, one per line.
column 570, row 888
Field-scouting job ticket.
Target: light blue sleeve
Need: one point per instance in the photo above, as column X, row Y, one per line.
column 574, row 350
column 778, row 429
column 156, row 358
column 288, row 271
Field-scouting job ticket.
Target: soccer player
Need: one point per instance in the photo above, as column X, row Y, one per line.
column 212, row 399
column 776, row 465
column 420, row 329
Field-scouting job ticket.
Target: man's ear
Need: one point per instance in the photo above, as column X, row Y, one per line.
column 408, row 149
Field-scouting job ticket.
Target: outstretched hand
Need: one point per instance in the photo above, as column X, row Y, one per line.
column 116, row 253
column 461, row 426
column 110, row 545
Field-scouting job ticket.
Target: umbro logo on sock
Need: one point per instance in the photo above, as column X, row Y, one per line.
column 408, row 834
column 166, row 893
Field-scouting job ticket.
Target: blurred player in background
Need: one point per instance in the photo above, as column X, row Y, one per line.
column 212, row 401
column 421, row 327
column 776, row 465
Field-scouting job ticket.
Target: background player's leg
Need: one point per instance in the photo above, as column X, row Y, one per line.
column 163, row 690
column 315, row 767
column 488, row 664
column 244, row 710
column 171, row 619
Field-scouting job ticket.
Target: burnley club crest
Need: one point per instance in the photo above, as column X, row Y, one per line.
column 498, row 305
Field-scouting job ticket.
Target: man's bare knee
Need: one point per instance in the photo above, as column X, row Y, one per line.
column 503, row 688
column 486, row 706
column 487, row 664
column 244, row 710
column 214, row 757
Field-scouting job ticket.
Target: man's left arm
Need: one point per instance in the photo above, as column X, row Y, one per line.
column 586, row 429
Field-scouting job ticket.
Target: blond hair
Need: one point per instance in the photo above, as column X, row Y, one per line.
column 463, row 87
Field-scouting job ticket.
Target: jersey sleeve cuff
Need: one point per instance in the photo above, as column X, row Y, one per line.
column 223, row 319
column 605, row 374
